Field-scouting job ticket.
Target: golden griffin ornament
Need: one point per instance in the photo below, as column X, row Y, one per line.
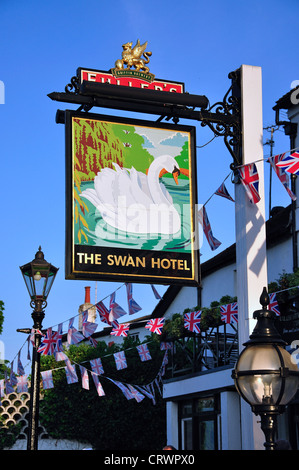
column 132, row 57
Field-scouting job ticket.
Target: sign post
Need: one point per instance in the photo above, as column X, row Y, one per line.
column 250, row 234
column 131, row 184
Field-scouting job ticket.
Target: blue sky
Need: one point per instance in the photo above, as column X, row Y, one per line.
column 41, row 46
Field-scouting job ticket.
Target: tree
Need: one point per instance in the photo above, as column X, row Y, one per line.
column 111, row 421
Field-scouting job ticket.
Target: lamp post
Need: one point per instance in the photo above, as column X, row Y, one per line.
column 39, row 276
column 265, row 375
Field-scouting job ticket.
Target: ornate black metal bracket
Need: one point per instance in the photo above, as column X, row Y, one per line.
column 223, row 118
column 73, row 86
column 230, row 131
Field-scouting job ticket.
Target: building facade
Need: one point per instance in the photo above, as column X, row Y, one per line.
column 204, row 410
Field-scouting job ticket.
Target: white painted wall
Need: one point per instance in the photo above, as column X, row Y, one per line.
column 230, row 426
column 187, row 298
column 218, row 284
column 52, row 444
column 200, row 383
column 280, row 259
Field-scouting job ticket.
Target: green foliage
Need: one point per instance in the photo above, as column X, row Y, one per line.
column 111, row 421
column 285, row 281
column 183, row 159
column 135, row 155
column 8, row 435
column 95, row 147
column 173, row 328
column 211, row 317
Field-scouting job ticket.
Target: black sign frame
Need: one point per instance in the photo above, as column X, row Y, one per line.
column 88, row 262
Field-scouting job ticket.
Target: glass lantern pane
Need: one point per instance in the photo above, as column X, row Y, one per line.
column 29, row 284
column 292, row 381
column 50, row 281
column 259, row 357
column 40, row 285
column 258, row 387
column 40, row 275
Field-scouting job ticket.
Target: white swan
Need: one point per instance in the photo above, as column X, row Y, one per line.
column 132, row 201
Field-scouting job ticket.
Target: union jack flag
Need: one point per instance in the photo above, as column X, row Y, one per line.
column 2, row 388
column 192, row 321
column 12, row 378
column 116, row 310
column 47, row 346
column 73, row 335
column 222, row 191
column 84, row 377
column 8, row 386
column 60, row 356
column 132, row 304
column 144, row 353
column 47, row 379
column 282, row 175
column 32, row 335
column 20, row 369
column 155, row 325
column 120, row 360
column 121, row 330
column 229, row 312
column 70, row 371
column 212, row 241
column 250, row 180
column 103, row 312
column 96, row 366
column 135, row 394
column 290, row 163
column 22, row 385
column 273, row 305
column 123, row 388
column 156, row 293
column 145, row 391
column 59, row 346
column 88, row 328
column 93, row 342
column 98, row 385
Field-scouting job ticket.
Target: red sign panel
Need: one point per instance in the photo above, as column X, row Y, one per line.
column 131, row 78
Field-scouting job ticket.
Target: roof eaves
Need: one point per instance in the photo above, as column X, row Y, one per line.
column 285, row 101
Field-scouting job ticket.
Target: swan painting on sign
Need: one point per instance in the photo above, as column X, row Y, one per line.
column 133, row 195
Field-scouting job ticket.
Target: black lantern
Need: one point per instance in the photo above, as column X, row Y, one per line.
column 265, row 375
column 39, row 276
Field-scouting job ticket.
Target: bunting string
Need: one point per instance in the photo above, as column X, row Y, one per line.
column 97, row 373
column 283, row 165
column 229, row 315
column 51, row 340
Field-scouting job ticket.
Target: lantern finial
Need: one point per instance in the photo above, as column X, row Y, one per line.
column 264, row 299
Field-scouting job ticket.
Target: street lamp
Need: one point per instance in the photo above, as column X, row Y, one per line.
column 39, row 276
column 265, row 375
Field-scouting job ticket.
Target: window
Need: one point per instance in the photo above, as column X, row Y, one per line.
column 134, row 336
column 198, row 423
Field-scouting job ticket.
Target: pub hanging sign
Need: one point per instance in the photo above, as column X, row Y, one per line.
column 131, row 199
